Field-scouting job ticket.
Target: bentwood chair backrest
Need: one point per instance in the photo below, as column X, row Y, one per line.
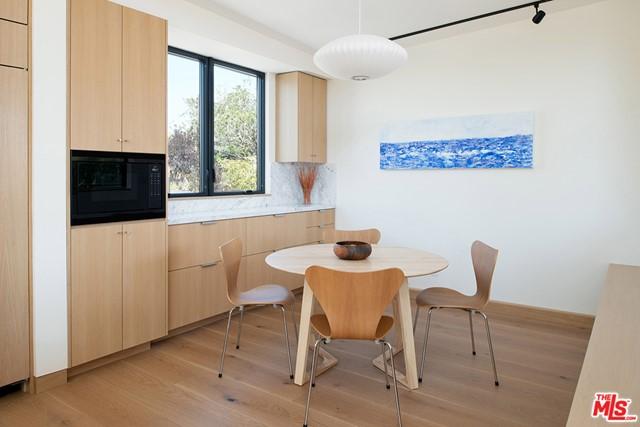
column 484, row 259
column 231, row 253
column 371, row 235
column 354, row 302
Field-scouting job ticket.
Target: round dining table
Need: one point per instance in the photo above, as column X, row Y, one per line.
column 412, row 262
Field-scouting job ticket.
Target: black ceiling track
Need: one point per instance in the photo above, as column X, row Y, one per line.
column 473, row 18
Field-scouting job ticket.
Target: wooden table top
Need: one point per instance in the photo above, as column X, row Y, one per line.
column 413, row 262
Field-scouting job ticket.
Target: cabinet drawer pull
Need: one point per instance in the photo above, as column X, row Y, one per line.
column 279, row 215
column 208, row 222
column 209, row 264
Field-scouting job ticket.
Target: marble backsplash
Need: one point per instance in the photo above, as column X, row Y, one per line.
column 285, row 191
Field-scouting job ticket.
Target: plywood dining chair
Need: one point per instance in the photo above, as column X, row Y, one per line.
column 371, row 235
column 353, row 305
column 276, row 295
column 484, row 259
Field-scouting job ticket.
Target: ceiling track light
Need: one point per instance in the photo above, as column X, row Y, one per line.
column 539, row 16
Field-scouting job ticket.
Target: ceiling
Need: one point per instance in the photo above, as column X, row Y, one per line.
column 309, row 24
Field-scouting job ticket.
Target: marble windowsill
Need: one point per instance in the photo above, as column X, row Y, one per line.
column 219, row 215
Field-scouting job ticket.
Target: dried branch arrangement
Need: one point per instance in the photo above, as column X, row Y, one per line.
column 307, row 177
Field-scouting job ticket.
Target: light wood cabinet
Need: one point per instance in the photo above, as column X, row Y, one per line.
column 261, row 234
column 257, row 271
column 318, row 222
column 13, row 44
column 14, row 10
column 198, row 244
column 96, row 292
column 144, row 282
column 118, row 78
column 196, row 293
column 95, row 90
column 301, row 118
column 273, row 232
column 118, row 287
column 197, row 285
column 319, row 121
column 14, row 228
column 144, row 83
column 290, row 230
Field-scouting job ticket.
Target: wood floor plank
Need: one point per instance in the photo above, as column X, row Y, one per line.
column 176, row 382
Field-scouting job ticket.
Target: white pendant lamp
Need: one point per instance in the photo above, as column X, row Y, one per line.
column 360, row 56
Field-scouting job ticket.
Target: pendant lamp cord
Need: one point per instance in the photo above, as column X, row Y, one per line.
column 359, row 16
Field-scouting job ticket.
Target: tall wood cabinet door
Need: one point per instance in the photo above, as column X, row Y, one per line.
column 305, row 117
column 319, row 121
column 144, row 282
column 96, row 75
column 96, row 292
column 144, row 110
column 14, row 235
column 14, row 10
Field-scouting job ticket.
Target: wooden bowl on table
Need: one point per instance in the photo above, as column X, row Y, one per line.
column 352, row 250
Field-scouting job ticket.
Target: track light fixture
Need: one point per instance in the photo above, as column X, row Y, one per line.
column 538, row 17
column 540, row 14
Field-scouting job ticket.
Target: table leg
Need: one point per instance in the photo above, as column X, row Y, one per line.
column 404, row 338
column 306, row 340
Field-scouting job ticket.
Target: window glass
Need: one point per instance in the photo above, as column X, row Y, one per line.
column 183, row 109
column 235, row 124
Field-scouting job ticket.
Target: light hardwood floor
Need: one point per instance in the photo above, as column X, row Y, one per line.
column 176, row 382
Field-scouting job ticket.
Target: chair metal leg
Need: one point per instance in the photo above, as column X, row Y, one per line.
column 415, row 320
column 493, row 360
column 473, row 341
column 295, row 323
column 226, row 338
column 424, row 347
column 384, row 360
column 314, row 362
column 286, row 339
column 240, row 327
column 395, row 383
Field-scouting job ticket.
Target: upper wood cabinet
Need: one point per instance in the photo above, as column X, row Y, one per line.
column 96, row 75
column 144, row 83
column 301, row 118
column 14, row 225
column 118, row 75
column 14, row 10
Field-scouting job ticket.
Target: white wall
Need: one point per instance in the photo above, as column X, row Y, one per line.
column 49, row 197
column 557, row 225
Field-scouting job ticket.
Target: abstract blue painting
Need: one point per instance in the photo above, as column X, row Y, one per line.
column 482, row 142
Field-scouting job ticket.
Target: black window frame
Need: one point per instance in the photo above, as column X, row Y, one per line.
column 207, row 140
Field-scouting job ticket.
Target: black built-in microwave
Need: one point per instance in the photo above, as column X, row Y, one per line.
column 113, row 186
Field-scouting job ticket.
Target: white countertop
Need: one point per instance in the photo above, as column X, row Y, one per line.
column 219, row 215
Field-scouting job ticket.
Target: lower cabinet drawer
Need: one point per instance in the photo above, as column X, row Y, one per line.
column 259, row 273
column 197, row 293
